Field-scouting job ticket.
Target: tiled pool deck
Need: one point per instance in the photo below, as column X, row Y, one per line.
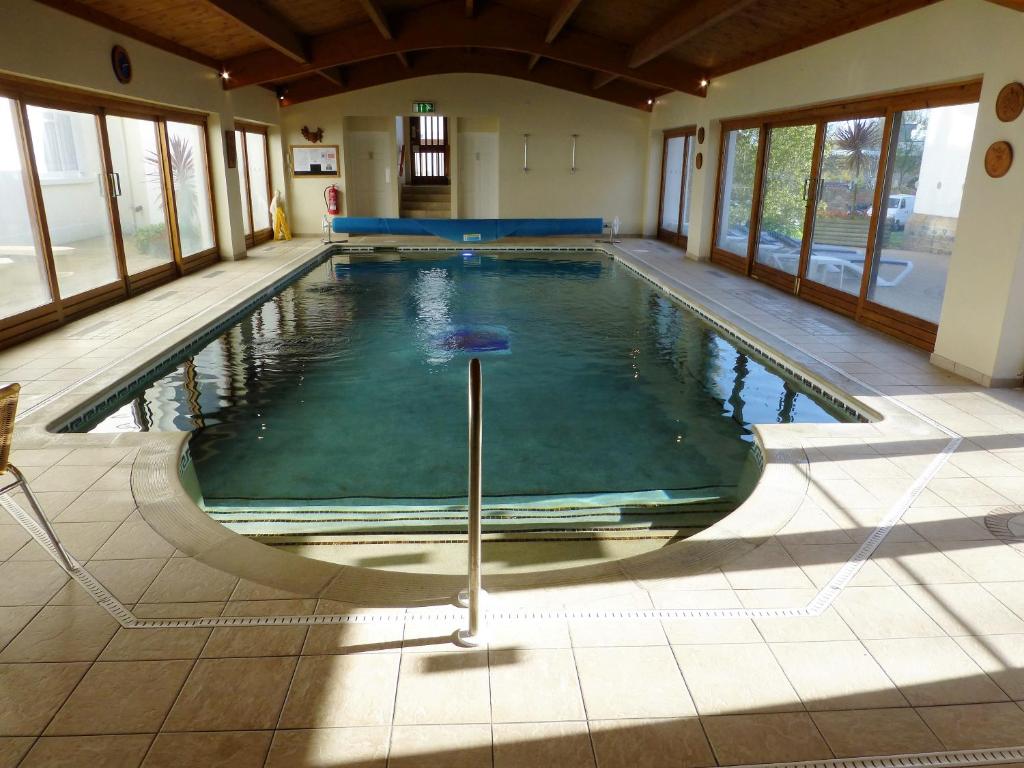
column 922, row 651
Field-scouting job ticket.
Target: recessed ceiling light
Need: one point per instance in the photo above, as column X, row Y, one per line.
column 703, row 82
column 224, row 75
column 650, row 102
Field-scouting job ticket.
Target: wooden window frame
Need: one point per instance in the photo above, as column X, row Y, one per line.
column 687, row 133
column 61, row 309
column 859, row 307
column 254, row 237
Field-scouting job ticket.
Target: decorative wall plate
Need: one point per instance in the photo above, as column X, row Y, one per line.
column 700, row 135
column 1010, row 102
column 122, row 64
column 998, row 159
column 699, row 160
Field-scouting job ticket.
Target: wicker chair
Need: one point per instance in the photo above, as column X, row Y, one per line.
column 8, row 408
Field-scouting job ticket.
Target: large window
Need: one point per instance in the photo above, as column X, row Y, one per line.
column 23, row 279
column 101, row 199
column 76, row 200
column 924, row 183
column 187, row 150
column 736, row 190
column 852, row 206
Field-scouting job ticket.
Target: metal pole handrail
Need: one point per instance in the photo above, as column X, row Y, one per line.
column 41, row 519
column 473, row 635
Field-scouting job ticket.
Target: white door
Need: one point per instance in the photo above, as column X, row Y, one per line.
column 368, row 185
column 478, row 175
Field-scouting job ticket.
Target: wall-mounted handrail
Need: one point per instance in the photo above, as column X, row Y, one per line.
column 475, row 593
column 572, row 162
column 526, row 149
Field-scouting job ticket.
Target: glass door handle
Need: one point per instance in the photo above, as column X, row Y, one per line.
column 115, row 184
column 807, row 184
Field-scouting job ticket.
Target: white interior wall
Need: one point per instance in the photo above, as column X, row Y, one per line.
column 478, row 178
column 611, row 154
column 981, row 332
column 43, row 43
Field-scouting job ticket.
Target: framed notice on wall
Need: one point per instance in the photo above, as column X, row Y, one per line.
column 315, row 160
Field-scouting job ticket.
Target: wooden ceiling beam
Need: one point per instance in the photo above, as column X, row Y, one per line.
column 534, row 60
column 601, row 79
column 332, row 76
column 695, row 17
column 560, row 18
column 380, row 21
column 387, row 69
column 271, row 28
column 444, row 25
column 470, row 9
column 834, row 28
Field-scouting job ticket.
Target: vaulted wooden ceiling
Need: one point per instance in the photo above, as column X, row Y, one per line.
column 624, row 51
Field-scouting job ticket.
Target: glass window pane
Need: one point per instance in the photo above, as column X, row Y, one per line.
column 691, row 149
column 191, row 187
column 784, row 200
column 23, row 280
column 736, row 191
column 243, row 189
column 670, row 189
column 66, row 146
column 256, row 145
column 925, row 174
column 139, row 186
column 849, row 170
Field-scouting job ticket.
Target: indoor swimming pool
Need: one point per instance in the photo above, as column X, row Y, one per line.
column 339, row 405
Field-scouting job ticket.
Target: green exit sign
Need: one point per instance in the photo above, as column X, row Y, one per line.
column 422, row 107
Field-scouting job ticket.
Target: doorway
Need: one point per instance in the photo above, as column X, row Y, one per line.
column 428, row 144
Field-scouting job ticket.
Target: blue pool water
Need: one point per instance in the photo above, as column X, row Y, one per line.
column 342, row 400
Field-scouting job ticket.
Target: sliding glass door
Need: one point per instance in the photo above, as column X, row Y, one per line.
column 738, row 172
column 254, row 182
column 676, row 186
column 139, row 191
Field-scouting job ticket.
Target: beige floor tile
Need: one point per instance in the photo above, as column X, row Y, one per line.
column 976, row 726
column 430, row 746
column 632, row 682
column 553, row 696
column 650, row 743
column 62, row 633
column 933, row 671
column 12, row 749
column 591, row 633
column 344, row 690
column 30, row 583
column 251, row 590
column 538, row 633
column 965, row 491
column 115, row 479
column 121, row 697
column 37, row 457
column 821, row 562
column 12, row 538
column 965, row 609
column 828, row 626
column 1010, row 594
column 884, row 612
column 987, row 561
column 940, row 525
column 232, row 694
column 209, row 750
column 767, row 567
column 96, row 457
column 781, row 737
column 1002, row 658
column 126, row 580
column 917, row 563
column 184, row 580
column 113, row 506
column 705, row 630
column 32, row 693
column 260, row 641
column 68, row 479
column 80, row 540
column 156, row 644
column 124, row 751
column 13, row 620
column 528, row 745
column 324, row 747
column 443, row 688
column 376, row 637
column 864, row 732
column 134, row 539
column 836, row 675
column 728, row 679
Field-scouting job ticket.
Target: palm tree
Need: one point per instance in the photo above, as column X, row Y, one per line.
column 860, row 140
column 183, row 177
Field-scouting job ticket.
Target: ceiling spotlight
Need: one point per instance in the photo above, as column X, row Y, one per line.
column 650, row 102
column 224, row 75
column 703, row 82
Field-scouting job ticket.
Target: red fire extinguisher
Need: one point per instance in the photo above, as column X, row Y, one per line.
column 331, row 198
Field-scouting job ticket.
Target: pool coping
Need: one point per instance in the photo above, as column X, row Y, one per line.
column 167, row 507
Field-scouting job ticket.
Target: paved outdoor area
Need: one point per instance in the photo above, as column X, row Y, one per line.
column 921, row 651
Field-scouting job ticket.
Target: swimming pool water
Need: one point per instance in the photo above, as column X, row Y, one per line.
column 347, row 392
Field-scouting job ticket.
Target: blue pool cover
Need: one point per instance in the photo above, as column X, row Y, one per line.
column 468, row 230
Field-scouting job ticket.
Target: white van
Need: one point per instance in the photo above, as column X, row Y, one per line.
column 899, row 210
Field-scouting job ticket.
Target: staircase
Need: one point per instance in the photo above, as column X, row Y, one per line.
column 422, row 201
